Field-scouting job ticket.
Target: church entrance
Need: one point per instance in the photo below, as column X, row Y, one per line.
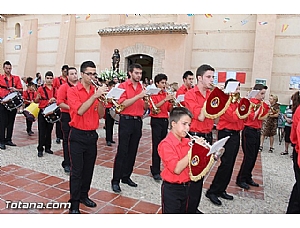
column 147, row 63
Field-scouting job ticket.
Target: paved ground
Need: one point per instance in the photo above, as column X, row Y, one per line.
column 27, row 178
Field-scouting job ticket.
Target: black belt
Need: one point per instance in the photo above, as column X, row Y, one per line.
column 127, row 117
column 253, row 129
column 89, row 133
column 200, row 134
column 182, row 184
column 230, row 131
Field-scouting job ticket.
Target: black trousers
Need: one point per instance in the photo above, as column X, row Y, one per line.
column 159, row 127
column 174, row 198
column 225, row 169
column 45, row 131
column 83, row 153
column 7, row 121
column 294, row 202
column 65, row 119
column 58, row 130
column 28, row 122
column 109, row 126
column 195, row 189
column 129, row 135
column 250, row 145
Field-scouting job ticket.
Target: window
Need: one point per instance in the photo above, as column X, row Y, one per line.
column 17, row 30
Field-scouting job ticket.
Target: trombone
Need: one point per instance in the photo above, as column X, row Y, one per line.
column 118, row 107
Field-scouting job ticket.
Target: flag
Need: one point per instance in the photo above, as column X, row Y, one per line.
column 87, row 16
column 262, row 23
column 244, row 22
column 208, row 15
column 226, row 19
column 223, row 76
column 284, row 27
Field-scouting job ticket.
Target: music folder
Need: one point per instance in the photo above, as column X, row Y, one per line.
column 115, row 93
column 231, row 87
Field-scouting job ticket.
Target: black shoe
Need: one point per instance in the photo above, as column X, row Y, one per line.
column 129, row 182
column 74, row 211
column 243, row 185
column 88, row 202
column 2, row 146
column 108, row 143
column 49, row 151
column 116, row 188
column 213, row 198
column 67, row 169
column 252, row 183
column 40, row 153
column 157, row 177
column 113, row 142
column 29, row 133
column 10, row 143
column 224, row 195
column 58, row 140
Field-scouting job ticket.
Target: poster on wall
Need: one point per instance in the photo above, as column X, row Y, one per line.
column 294, row 82
column 261, row 81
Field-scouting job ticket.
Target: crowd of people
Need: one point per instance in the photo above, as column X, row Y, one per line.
column 76, row 104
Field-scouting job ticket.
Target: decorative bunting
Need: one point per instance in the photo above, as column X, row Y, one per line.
column 226, row 19
column 30, row 32
column 87, row 16
column 208, row 15
column 240, row 76
column 77, row 17
column 263, row 23
column 1, row 40
column 284, row 27
column 190, row 15
column 244, row 22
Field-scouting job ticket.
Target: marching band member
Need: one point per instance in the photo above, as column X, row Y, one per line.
column 57, row 82
column 45, row 95
column 8, row 83
column 85, row 112
column 173, row 151
column 109, row 121
column 201, row 127
column 188, row 78
column 62, row 102
column 230, row 124
column 159, row 122
column 130, row 127
column 251, row 137
column 28, row 97
column 294, row 201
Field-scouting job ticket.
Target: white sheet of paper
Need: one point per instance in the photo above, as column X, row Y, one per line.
column 253, row 93
column 180, row 98
column 231, row 87
column 153, row 91
column 115, row 93
column 217, row 145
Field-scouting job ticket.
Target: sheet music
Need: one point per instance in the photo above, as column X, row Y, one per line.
column 180, row 98
column 217, row 145
column 115, row 93
column 253, row 93
column 153, row 91
column 231, row 87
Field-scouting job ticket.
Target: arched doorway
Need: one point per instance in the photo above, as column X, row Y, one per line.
column 146, row 61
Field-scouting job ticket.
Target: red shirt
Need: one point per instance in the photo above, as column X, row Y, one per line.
column 62, row 95
column 295, row 131
column 230, row 120
column 194, row 101
column 58, row 81
column 137, row 108
column 77, row 95
column 164, row 109
column 13, row 81
column 255, row 123
column 109, row 104
column 44, row 101
column 171, row 151
column 28, row 95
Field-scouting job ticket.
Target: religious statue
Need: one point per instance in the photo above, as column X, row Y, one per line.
column 116, row 60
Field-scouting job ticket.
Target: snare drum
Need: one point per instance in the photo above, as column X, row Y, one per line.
column 51, row 113
column 12, row 100
column 113, row 114
column 31, row 112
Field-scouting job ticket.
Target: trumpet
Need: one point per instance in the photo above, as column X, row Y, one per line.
column 235, row 97
column 174, row 101
column 256, row 106
column 155, row 110
column 118, row 107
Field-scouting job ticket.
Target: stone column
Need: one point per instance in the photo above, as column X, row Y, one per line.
column 264, row 48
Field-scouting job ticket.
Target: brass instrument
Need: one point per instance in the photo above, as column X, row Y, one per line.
column 118, row 107
column 235, row 97
column 256, row 106
column 174, row 101
column 155, row 110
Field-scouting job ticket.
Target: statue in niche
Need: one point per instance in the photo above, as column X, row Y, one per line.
column 116, row 60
